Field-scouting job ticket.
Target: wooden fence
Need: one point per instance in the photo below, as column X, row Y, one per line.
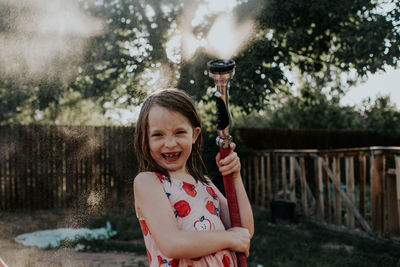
column 358, row 188
column 45, row 167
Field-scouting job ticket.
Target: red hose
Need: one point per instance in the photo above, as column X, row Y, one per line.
column 232, row 205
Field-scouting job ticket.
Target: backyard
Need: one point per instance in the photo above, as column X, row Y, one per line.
column 74, row 75
column 300, row 244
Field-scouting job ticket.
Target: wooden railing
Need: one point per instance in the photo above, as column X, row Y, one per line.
column 358, row 187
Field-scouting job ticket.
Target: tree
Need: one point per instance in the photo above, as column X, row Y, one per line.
column 320, row 39
column 310, row 109
column 381, row 115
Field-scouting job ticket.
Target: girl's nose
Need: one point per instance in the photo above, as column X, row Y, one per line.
column 170, row 142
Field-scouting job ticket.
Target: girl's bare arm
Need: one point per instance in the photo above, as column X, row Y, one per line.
column 153, row 205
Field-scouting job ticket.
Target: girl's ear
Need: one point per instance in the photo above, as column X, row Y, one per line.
column 196, row 133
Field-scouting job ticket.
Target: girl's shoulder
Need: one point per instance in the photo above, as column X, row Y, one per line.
column 145, row 179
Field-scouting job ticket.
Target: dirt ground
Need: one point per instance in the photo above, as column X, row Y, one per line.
column 17, row 255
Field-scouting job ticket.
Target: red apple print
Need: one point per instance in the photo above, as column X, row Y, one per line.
column 226, row 261
column 202, row 224
column 144, row 227
column 211, row 191
column 182, row 208
column 211, row 208
column 160, row 260
column 174, row 263
column 148, row 255
column 189, row 189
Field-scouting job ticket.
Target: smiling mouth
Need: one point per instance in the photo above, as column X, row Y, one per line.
column 171, row 156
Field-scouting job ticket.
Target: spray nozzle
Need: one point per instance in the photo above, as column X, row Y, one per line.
column 221, row 71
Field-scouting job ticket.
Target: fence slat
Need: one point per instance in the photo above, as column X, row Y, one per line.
column 2, row 180
column 393, row 186
column 275, row 181
column 284, row 182
column 303, row 186
column 363, row 182
column 250, row 184
column 269, row 186
column 292, row 179
column 327, row 191
column 378, row 193
column 393, row 214
column 262, row 170
column 320, row 190
column 337, row 205
column 350, row 189
column 397, row 163
column 256, row 181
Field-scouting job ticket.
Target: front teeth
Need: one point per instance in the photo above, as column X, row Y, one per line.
column 171, row 155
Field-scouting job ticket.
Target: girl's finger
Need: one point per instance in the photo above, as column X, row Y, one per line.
column 218, row 157
column 232, row 166
column 230, row 158
column 232, row 146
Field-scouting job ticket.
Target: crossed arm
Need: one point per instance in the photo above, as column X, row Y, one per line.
column 152, row 204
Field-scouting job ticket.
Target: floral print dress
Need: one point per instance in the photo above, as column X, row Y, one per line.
column 196, row 208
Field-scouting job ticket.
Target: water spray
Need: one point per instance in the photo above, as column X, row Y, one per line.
column 222, row 71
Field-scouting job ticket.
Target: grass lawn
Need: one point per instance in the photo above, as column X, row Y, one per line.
column 302, row 244
column 306, row 244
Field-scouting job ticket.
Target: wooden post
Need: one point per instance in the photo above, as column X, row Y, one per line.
column 363, row 182
column 303, row 186
column 393, row 214
column 378, row 193
column 398, row 183
column 275, row 181
column 337, row 201
column 269, row 190
column 292, row 179
column 251, row 178
column 256, row 180
column 2, row 174
column 320, row 190
column 284, row 180
column 13, row 170
column 262, row 170
column 328, row 211
column 350, row 189
column 394, row 200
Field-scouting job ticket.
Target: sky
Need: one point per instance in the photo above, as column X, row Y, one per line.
column 383, row 83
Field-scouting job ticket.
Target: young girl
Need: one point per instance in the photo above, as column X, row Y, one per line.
column 184, row 217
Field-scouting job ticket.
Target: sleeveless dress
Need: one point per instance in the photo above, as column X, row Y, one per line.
column 196, row 208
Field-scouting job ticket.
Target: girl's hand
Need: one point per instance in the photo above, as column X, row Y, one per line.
column 230, row 164
column 241, row 240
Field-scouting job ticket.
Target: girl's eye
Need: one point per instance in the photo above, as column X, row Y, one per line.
column 156, row 135
column 181, row 132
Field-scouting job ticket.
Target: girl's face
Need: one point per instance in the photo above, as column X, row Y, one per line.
column 171, row 137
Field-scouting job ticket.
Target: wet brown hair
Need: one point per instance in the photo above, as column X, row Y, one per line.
column 177, row 101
